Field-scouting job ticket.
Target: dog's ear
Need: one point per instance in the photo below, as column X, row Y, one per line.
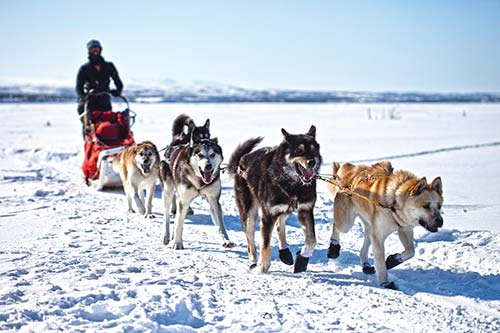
column 437, row 185
column 285, row 134
column 336, row 167
column 312, row 131
column 419, row 187
column 190, row 127
column 191, row 139
column 207, row 124
column 215, row 140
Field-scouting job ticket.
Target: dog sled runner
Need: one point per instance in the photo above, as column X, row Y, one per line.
column 106, row 135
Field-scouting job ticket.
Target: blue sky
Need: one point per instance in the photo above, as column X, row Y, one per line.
column 445, row 46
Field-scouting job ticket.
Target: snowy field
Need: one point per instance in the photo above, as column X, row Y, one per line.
column 72, row 260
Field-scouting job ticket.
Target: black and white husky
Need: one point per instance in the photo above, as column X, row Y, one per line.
column 183, row 131
column 193, row 170
column 272, row 183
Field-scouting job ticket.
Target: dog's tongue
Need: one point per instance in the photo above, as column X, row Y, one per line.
column 307, row 173
column 207, row 176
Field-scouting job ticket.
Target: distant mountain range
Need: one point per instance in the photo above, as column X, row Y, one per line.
column 211, row 92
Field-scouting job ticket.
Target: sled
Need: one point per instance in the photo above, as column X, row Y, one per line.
column 106, row 135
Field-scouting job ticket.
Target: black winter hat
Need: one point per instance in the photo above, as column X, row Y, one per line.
column 93, row 43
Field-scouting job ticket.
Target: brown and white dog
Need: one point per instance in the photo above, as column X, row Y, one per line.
column 385, row 201
column 139, row 171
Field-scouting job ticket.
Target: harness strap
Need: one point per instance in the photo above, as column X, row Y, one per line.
column 334, row 180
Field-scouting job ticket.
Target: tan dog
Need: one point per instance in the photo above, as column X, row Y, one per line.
column 139, row 171
column 385, row 201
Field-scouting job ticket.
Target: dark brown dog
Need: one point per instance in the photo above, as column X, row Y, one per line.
column 272, row 183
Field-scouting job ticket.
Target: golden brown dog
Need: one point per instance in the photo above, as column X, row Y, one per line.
column 385, row 201
column 139, row 171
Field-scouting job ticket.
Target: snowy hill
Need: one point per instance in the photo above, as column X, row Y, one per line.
column 73, row 260
column 211, row 92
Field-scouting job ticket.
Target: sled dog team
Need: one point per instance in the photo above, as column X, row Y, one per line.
column 272, row 182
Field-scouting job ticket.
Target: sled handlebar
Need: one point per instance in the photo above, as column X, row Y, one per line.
column 86, row 119
column 92, row 93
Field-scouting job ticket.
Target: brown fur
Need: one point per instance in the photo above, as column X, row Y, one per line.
column 386, row 201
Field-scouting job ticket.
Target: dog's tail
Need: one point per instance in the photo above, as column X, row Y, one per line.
column 332, row 187
column 243, row 149
column 179, row 123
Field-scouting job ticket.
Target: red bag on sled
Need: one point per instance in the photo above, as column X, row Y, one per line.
column 110, row 130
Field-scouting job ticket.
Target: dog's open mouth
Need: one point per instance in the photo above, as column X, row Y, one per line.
column 206, row 175
column 306, row 174
column 431, row 228
column 146, row 167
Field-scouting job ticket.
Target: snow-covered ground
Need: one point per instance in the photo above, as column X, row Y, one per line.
column 72, row 260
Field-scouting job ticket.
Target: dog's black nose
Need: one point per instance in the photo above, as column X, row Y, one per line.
column 440, row 221
column 311, row 163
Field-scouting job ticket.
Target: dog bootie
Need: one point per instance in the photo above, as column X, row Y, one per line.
column 368, row 269
column 393, row 260
column 389, row 285
column 300, row 263
column 333, row 251
column 286, row 256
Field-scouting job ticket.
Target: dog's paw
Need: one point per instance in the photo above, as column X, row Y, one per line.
column 286, row 256
column 393, row 260
column 166, row 240
column 178, row 246
column 264, row 268
column 228, row 245
column 389, row 285
column 252, row 266
column 300, row 263
column 368, row 269
column 149, row 216
column 333, row 251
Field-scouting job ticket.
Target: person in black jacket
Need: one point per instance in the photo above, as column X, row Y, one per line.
column 95, row 75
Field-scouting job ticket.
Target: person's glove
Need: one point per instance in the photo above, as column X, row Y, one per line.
column 115, row 92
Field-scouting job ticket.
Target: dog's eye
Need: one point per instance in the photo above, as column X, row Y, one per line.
column 299, row 150
column 201, row 156
column 212, row 155
column 427, row 206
